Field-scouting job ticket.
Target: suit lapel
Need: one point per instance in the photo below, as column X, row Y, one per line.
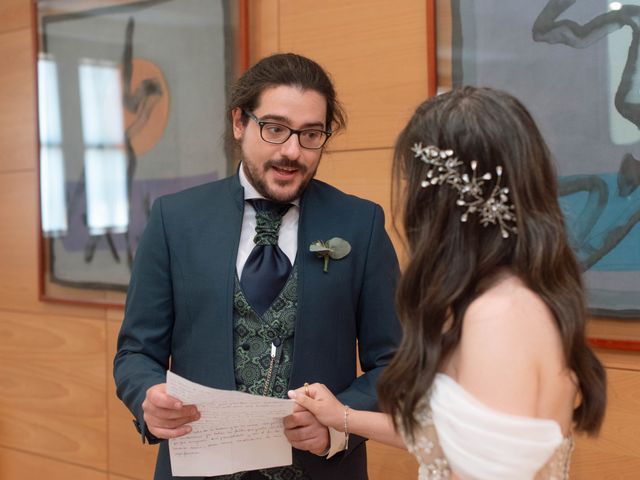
column 308, row 211
column 220, row 242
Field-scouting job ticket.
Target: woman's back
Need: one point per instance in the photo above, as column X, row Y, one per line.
column 502, row 405
column 510, row 355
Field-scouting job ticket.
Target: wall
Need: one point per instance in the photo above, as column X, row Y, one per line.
column 59, row 417
column 58, row 414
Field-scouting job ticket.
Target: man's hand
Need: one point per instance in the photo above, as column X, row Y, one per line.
column 305, row 432
column 166, row 416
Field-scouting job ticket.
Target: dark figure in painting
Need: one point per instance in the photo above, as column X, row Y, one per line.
column 592, row 246
column 139, row 102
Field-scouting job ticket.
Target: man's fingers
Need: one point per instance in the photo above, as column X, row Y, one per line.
column 299, row 419
column 167, row 433
column 169, row 413
column 302, row 428
column 170, row 428
column 299, row 408
column 306, row 432
column 161, row 422
column 158, row 397
column 309, row 438
column 299, row 434
column 289, row 422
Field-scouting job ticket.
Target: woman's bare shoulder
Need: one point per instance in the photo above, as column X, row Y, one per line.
column 509, row 340
column 511, row 309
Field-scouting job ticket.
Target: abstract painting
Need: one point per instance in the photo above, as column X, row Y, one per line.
column 574, row 64
column 131, row 107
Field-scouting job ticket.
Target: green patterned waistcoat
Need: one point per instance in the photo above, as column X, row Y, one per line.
column 254, row 340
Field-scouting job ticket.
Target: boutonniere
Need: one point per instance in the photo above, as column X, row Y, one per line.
column 335, row 248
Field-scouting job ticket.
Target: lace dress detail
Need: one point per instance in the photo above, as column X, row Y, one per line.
column 557, row 468
column 425, row 447
column 482, row 443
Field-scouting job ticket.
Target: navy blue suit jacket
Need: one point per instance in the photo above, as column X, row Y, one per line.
column 179, row 309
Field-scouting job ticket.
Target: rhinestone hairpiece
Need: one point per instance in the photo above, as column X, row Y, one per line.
column 445, row 168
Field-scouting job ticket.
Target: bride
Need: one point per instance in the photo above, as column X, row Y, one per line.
column 493, row 373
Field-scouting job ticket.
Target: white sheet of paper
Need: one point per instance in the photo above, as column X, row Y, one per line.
column 237, row 432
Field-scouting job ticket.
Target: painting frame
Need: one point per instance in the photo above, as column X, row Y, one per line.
column 603, row 330
column 126, row 27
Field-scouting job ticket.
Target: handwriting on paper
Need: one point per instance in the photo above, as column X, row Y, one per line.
column 236, row 432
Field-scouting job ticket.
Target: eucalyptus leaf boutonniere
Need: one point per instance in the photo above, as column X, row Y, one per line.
column 335, row 248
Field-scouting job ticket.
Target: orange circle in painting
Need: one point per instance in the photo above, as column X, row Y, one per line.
column 145, row 105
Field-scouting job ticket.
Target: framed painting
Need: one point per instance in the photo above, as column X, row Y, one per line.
column 573, row 63
column 131, row 106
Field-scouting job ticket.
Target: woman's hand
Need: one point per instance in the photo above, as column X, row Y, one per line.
column 328, row 410
column 321, row 403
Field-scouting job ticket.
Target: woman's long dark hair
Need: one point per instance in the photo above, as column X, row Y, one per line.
column 451, row 263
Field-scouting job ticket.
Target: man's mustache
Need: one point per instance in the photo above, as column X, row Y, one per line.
column 285, row 164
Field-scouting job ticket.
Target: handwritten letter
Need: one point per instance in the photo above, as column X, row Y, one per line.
column 236, row 432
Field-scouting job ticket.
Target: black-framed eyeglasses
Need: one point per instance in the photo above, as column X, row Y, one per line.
column 270, row 132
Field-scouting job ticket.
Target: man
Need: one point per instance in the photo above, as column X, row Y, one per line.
column 225, row 291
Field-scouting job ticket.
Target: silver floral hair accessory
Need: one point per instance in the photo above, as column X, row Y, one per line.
column 446, row 169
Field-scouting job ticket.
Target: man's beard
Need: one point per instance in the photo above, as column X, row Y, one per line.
column 261, row 185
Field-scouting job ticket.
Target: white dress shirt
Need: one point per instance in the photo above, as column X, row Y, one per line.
column 288, row 237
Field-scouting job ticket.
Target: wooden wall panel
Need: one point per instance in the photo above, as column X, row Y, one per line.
column 17, row 465
column 19, row 248
column 18, row 239
column 127, row 454
column 17, row 97
column 53, row 380
column 263, row 29
column 376, row 54
column 610, row 328
column 363, row 173
column 118, row 477
column 15, row 14
column 615, row 454
column 619, row 359
column 115, row 314
column 389, row 463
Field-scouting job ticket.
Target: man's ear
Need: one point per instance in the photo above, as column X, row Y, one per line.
column 236, row 121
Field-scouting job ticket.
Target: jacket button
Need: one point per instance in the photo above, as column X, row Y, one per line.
column 246, row 347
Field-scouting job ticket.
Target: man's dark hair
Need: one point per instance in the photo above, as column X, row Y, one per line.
column 285, row 69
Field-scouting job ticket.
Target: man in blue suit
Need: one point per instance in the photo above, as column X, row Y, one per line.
column 226, row 293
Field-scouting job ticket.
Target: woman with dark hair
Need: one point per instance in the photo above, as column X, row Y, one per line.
column 493, row 373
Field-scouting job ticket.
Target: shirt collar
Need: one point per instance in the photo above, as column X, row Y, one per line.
column 249, row 190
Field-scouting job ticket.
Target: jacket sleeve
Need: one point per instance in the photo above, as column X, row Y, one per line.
column 144, row 342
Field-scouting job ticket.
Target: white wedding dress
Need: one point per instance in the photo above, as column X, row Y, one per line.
column 459, row 433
